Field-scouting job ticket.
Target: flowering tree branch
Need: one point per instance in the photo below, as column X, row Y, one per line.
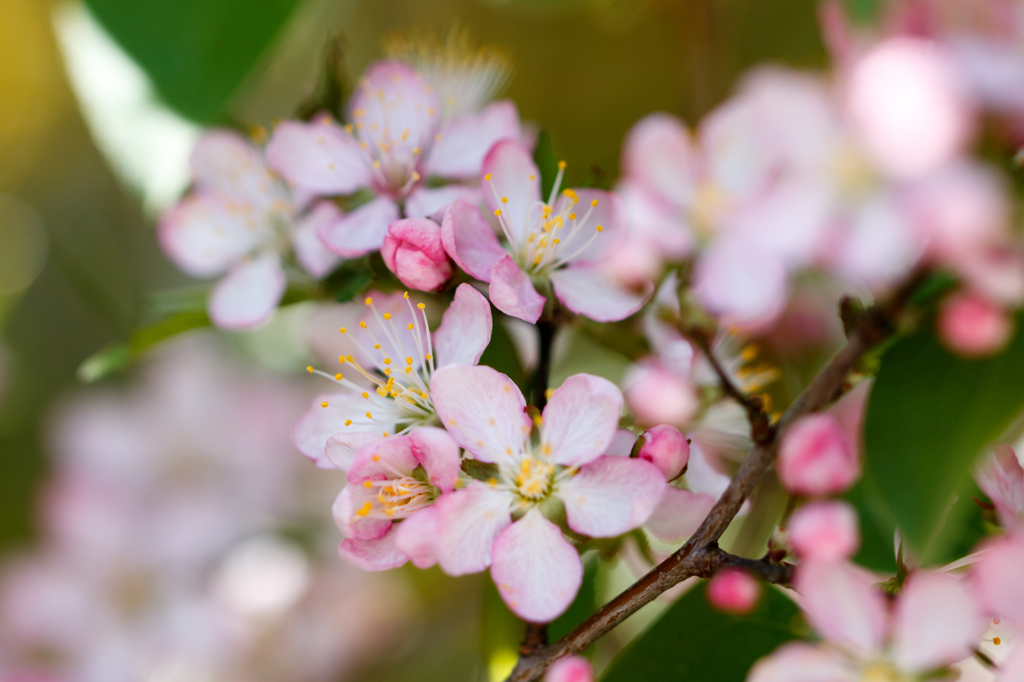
column 701, row 556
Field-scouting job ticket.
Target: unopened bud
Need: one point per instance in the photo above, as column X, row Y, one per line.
column 570, row 669
column 973, row 326
column 825, row 531
column 734, row 591
column 667, row 449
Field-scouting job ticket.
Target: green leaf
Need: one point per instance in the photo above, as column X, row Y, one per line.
column 929, row 416
column 546, row 158
column 693, row 641
column 863, row 11
column 197, row 52
column 116, row 357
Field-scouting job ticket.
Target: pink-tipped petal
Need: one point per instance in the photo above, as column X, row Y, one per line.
column 570, row 669
column 515, row 177
column 412, row 250
column 581, row 418
column 482, row 409
column 512, row 291
column 658, row 395
column 360, row 231
column 611, row 496
column 667, row 449
column 817, row 457
column 351, row 524
column 341, row 447
column 465, row 329
column 659, row 155
column 803, row 662
column 742, row 285
column 1000, row 476
column 470, row 241
column 439, row 455
column 433, row 202
column 843, row 606
column 593, row 293
column 466, row 140
column 537, row 572
column 936, row 622
column 824, row 531
column 996, row 579
column 226, row 162
column 203, row 236
column 249, row 294
column 310, row 252
column 319, row 157
column 396, row 108
column 734, row 591
column 416, row 537
column 314, row 429
column 383, row 458
column 679, row 513
column 468, row 521
column 380, row 554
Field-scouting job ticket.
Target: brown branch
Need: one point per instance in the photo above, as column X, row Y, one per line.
column 701, row 556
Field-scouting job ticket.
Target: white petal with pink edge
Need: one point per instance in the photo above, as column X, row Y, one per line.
column 843, row 606
column 802, row 662
column 482, row 409
column 249, row 294
column 742, row 285
column 936, row 622
column 468, row 521
column 229, row 164
column 416, row 538
column 318, row 157
column 679, row 513
column 593, row 293
column 537, row 572
column 439, row 455
column 512, row 292
column 466, row 140
column 380, row 554
column 658, row 154
column 470, row 241
column 611, row 496
column 361, row 231
column 602, row 221
column 465, row 329
column 581, row 418
column 433, row 202
column 310, row 252
column 204, row 237
column 383, row 457
column 515, row 177
column 396, row 110
column 352, row 525
column 313, row 429
column 341, row 447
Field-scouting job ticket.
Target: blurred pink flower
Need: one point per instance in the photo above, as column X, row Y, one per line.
column 570, row 669
column 734, row 591
column 667, row 449
column 233, row 221
column 1000, row 476
column 824, row 531
column 817, row 457
column 973, row 326
column 548, row 244
column 537, row 571
column 412, row 250
column 995, row 578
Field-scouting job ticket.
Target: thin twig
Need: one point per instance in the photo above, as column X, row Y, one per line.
column 700, row 556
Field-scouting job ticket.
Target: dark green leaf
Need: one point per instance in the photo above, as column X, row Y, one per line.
column 481, row 471
column 198, row 52
column 930, row 415
column 546, row 158
column 863, row 11
column 692, row 641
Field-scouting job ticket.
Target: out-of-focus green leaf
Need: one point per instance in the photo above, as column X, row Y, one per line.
column 197, row 52
column 546, row 158
column 930, row 415
column 863, row 11
column 350, row 279
column 693, row 641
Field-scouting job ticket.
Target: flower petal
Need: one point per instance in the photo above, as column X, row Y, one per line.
column 341, row 447
column 439, row 455
column 311, row 253
column 380, row 554
column 936, row 622
column 468, row 521
column 842, row 605
column 803, row 662
column 996, row 579
column 319, row 157
column 466, row 140
column 593, row 293
column 416, row 537
column 659, row 155
column 226, row 162
column 581, row 418
column 570, row 669
column 311, row 432
column 203, row 237
column 611, row 496
column 470, row 241
column 352, row 525
column 679, row 513
column 249, row 294
column 482, row 409
column 742, row 285
column 361, row 231
column 383, row 457
column 395, row 108
column 465, row 329
column 515, row 177
column 512, row 291
column 537, row 572
column 433, row 202
column 595, row 208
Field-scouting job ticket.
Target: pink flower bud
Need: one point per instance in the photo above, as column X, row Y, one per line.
column 816, row 457
column 825, row 531
column 734, row 591
column 570, row 669
column 667, row 449
column 973, row 326
column 412, row 250
column 659, row 396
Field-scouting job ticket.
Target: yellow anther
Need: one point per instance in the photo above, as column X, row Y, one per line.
column 421, row 306
column 366, row 395
column 405, row 295
column 411, row 326
column 492, row 482
column 561, row 165
column 309, row 368
column 365, row 509
column 548, row 393
column 600, row 229
column 343, row 330
column 369, row 416
column 349, row 358
column 338, row 376
column 368, row 301
column 387, row 316
column 529, row 239
column 572, row 216
column 497, row 212
column 546, row 449
column 348, row 128
column 532, row 176
column 348, row 422
column 429, row 356
column 594, row 202
column 367, row 484
column 408, row 370
column 568, row 192
column 376, row 346
column 538, row 420
column 408, row 361
column 362, row 323
column 997, row 641
column 382, row 392
column 504, row 200
column 376, row 164
column 323, row 404
column 415, row 151
column 387, row 361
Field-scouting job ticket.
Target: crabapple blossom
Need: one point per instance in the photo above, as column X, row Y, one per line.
column 733, row 590
column 570, row 669
column 1000, row 476
column 667, row 449
column 556, row 244
column 394, row 364
column 241, row 219
column 391, row 480
column 816, row 457
column 933, row 624
column 392, row 144
column 412, row 250
column 504, row 523
column 824, row 531
column 973, row 326
column 996, row 578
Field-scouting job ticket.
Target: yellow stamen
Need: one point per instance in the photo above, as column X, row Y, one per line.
column 323, row 404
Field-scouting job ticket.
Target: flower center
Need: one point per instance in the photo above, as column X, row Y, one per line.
column 534, row 480
column 394, row 498
column 880, row 672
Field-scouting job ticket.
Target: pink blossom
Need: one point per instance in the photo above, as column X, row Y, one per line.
column 556, row 245
column 824, row 531
column 734, row 591
column 570, row 669
column 384, row 489
column 395, row 140
column 667, row 449
column 973, row 326
column 412, row 250
column 996, row 578
column 934, row 623
column 232, row 222
column 503, row 523
column 1000, row 476
column 658, row 395
column 816, row 457
column 387, row 391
